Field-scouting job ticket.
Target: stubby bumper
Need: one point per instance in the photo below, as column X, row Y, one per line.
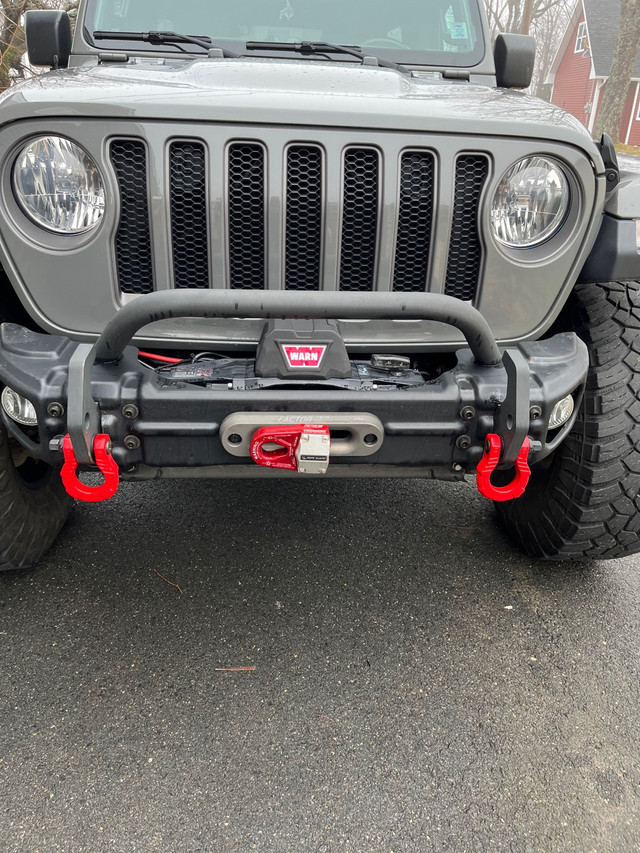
column 436, row 428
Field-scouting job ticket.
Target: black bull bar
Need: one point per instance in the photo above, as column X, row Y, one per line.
column 83, row 413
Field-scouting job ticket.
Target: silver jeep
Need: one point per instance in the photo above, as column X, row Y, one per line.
column 303, row 238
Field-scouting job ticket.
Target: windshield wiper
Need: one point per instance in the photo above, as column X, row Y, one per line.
column 158, row 38
column 316, row 47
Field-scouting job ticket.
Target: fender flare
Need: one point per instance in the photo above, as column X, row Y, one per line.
column 614, row 256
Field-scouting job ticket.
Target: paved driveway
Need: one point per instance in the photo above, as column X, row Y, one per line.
column 418, row 685
column 629, row 162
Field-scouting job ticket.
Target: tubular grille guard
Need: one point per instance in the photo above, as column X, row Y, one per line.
column 348, row 306
column 304, row 200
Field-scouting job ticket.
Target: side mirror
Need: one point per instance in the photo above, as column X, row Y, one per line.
column 514, row 55
column 48, row 36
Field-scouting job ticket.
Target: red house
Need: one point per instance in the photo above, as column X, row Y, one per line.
column 581, row 67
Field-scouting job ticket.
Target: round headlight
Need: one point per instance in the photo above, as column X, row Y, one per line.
column 58, row 185
column 530, row 204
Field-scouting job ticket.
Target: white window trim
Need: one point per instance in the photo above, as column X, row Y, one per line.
column 635, row 111
column 582, row 38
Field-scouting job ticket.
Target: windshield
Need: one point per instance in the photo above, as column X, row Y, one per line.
column 421, row 32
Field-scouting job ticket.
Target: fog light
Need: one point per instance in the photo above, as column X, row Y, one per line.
column 18, row 408
column 561, row 412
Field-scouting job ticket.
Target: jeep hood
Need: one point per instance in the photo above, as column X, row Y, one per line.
column 303, row 92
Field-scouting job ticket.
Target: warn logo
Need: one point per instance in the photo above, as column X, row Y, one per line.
column 303, row 356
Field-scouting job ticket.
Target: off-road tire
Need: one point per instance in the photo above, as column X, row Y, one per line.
column 583, row 502
column 33, row 508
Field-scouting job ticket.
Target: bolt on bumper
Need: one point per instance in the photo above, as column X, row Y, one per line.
column 434, row 430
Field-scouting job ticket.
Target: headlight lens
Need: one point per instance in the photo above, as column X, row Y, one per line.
column 58, row 185
column 530, row 204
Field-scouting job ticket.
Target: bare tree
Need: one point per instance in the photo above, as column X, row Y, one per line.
column 615, row 93
column 12, row 43
column 544, row 19
column 527, row 15
column 12, row 40
column 548, row 30
column 523, row 16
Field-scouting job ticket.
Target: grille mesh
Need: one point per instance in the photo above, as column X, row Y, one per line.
column 133, row 239
column 303, row 223
column 188, row 192
column 415, row 216
column 359, row 219
column 303, row 235
column 465, row 249
column 246, row 216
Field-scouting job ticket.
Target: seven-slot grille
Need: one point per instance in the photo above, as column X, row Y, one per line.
column 358, row 240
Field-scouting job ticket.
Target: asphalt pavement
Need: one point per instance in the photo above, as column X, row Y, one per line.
column 418, row 685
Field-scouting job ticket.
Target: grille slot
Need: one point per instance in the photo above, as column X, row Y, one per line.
column 189, row 229
column 246, row 215
column 133, row 240
column 359, row 231
column 465, row 250
column 415, row 216
column 303, row 224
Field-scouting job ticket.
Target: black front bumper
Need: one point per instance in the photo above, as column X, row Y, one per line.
column 435, row 429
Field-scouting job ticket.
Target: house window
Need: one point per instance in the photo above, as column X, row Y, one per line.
column 582, row 40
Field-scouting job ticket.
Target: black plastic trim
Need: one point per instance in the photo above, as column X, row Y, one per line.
column 614, row 256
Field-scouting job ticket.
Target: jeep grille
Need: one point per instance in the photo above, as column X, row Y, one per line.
column 245, row 218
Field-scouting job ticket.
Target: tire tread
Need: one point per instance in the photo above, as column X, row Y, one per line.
column 31, row 517
column 586, row 506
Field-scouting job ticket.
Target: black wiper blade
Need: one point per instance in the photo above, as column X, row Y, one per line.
column 311, row 47
column 160, row 37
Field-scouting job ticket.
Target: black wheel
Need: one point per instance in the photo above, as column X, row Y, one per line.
column 582, row 503
column 33, row 505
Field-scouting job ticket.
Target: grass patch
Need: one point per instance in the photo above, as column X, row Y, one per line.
column 628, row 149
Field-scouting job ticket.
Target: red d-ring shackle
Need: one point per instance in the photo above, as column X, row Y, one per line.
column 106, row 465
column 487, row 466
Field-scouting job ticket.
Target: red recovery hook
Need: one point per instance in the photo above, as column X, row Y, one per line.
column 487, row 465
column 300, row 447
column 106, row 464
